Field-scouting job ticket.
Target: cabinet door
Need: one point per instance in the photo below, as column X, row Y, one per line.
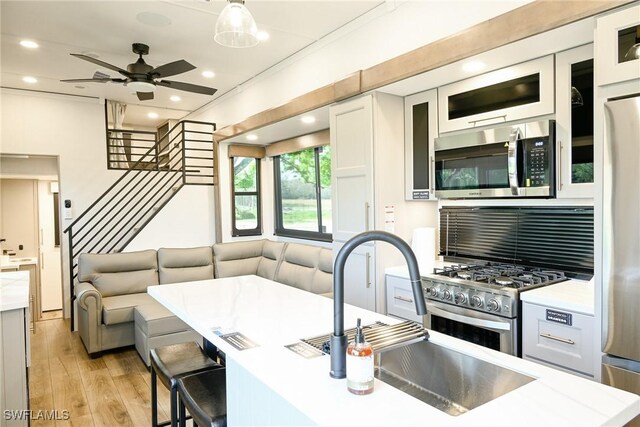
column 359, row 276
column 400, row 301
column 515, row 93
column 574, row 122
column 420, row 130
column 616, row 34
column 351, row 128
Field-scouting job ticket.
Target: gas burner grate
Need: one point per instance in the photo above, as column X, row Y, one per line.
column 500, row 274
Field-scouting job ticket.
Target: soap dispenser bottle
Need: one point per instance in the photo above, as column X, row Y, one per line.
column 360, row 364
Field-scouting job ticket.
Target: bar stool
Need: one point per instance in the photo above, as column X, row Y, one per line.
column 204, row 395
column 168, row 363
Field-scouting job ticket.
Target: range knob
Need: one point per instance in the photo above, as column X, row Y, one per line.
column 460, row 298
column 433, row 292
column 493, row 305
column 476, row 301
column 446, row 295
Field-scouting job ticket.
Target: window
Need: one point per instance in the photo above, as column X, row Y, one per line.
column 303, row 194
column 246, row 196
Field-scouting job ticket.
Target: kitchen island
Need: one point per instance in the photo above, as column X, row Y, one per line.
column 271, row 385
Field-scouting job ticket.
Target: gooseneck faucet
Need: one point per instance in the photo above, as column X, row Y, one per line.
column 338, row 338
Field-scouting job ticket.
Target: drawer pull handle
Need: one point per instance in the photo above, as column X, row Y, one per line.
column 403, row 299
column 553, row 337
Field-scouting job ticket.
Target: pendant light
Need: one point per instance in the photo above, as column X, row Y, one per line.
column 634, row 51
column 235, row 26
column 576, row 98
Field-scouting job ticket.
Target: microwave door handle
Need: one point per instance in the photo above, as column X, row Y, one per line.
column 512, row 160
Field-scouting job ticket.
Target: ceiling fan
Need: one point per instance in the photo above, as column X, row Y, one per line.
column 141, row 77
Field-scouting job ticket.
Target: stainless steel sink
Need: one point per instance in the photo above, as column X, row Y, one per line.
column 450, row 381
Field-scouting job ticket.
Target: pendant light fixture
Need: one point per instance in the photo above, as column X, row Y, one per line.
column 576, row 98
column 235, row 26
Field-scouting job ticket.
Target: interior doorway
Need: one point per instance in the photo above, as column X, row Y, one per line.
column 30, row 225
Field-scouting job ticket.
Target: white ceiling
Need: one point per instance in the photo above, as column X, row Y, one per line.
column 173, row 30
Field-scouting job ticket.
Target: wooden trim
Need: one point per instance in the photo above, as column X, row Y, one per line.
column 517, row 24
column 255, row 151
column 299, row 143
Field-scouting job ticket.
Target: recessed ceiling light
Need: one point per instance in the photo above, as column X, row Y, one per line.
column 175, row 98
column 473, row 66
column 208, row 74
column 29, row 44
column 308, row 119
column 262, row 35
column 152, row 115
column 252, row 137
column 29, row 79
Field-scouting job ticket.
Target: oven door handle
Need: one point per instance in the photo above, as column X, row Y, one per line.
column 512, row 160
column 502, row 326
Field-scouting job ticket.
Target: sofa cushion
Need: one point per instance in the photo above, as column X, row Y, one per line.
column 271, row 255
column 119, row 308
column 323, row 278
column 299, row 266
column 155, row 320
column 119, row 273
column 237, row 258
column 185, row 264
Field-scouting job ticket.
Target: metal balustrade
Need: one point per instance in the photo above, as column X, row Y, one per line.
column 155, row 170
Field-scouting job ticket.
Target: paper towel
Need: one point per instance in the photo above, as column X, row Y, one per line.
column 423, row 244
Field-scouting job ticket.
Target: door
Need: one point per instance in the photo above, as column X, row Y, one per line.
column 49, row 235
column 359, row 276
column 351, row 127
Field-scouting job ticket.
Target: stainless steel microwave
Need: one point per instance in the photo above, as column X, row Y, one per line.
column 509, row 161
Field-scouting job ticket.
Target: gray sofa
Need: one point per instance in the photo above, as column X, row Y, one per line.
column 114, row 309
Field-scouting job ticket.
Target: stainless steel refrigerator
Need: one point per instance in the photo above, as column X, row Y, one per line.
column 621, row 232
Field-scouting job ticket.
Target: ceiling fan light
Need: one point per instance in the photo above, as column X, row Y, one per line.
column 141, row 87
column 236, row 27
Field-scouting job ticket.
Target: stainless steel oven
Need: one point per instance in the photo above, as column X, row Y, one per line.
column 507, row 161
column 487, row 330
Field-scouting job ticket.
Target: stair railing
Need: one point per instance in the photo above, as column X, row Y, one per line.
column 184, row 156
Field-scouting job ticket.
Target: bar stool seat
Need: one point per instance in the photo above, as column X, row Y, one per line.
column 204, row 395
column 169, row 363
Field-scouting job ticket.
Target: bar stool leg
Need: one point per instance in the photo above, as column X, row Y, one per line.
column 174, row 409
column 154, row 398
column 183, row 415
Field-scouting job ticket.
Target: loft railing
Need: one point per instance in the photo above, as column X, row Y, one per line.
column 155, row 172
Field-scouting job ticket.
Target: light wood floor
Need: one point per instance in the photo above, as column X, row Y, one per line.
column 112, row 390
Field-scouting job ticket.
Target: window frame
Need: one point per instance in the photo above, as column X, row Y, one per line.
column 235, row 231
column 280, row 230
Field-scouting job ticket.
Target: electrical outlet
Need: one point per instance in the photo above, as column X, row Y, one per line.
column 20, row 247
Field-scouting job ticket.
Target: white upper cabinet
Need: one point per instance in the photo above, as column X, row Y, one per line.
column 574, row 122
column 351, row 126
column 518, row 92
column 615, row 36
column 420, row 131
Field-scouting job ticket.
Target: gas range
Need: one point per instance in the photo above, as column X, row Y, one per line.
column 491, row 288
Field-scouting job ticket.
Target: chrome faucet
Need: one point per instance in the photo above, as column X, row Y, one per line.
column 338, row 338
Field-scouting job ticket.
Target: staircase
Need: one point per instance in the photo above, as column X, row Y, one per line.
column 156, row 169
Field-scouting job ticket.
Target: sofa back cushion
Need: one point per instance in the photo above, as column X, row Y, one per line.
column 119, row 273
column 300, row 268
column 237, row 258
column 185, row 264
column 271, row 256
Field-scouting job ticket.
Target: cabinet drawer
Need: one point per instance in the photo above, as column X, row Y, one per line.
column 400, row 301
column 567, row 346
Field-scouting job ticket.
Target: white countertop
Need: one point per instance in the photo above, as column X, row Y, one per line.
column 14, row 263
column 273, row 315
column 573, row 295
column 14, row 290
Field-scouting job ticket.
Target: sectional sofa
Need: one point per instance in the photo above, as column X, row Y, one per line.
column 114, row 309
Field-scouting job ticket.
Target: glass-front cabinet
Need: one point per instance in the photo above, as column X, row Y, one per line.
column 574, row 122
column 617, row 46
column 421, row 128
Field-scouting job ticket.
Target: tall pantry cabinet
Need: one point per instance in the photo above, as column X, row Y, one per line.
column 367, row 166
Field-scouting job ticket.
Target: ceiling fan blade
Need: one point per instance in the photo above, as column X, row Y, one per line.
column 187, row 87
column 144, row 96
column 101, row 63
column 172, row 68
column 86, row 80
